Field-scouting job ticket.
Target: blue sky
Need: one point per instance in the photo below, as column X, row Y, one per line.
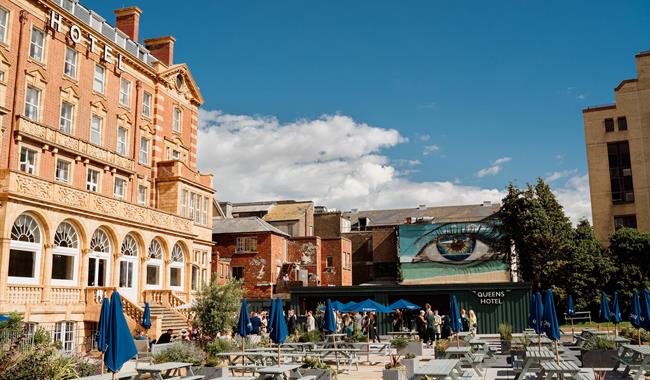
column 472, row 81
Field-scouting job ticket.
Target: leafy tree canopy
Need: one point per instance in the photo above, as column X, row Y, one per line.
column 216, row 307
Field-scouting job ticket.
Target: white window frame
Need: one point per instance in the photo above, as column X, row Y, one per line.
column 246, row 244
column 26, row 166
column 205, row 211
column 4, row 25
column 177, row 118
column 180, row 265
column 66, row 124
column 33, row 110
column 74, row 253
column 93, row 131
column 89, row 185
column 62, row 331
column 122, row 144
column 197, row 211
column 97, row 255
column 184, row 203
column 99, row 83
column 124, row 188
column 69, row 170
column 34, row 47
column 125, row 92
column 191, row 206
column 146, row 104
column 70, row 66
column 36, row 249
column 144, row 150
column 143, row 200
column 195, row 278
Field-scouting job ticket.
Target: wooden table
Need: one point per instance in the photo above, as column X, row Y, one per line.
column 635, row 358
column 348, row 354
column 534, row 357
column 280, row 372
column 404, row 334
column 464, row 353
column 165, row 370
column 561, row 370
column 439, row 369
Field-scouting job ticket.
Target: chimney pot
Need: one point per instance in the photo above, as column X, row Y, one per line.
column 162, row 48
column 128, row 21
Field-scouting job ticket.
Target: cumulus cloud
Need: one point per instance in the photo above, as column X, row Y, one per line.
column 333, row 160
column 574, row 197
column 554, row 176
column 429, row 149
column 494, row 168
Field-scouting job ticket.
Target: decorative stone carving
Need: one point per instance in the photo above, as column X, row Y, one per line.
column 72, row 197
column 34, row 187
column 106, row 206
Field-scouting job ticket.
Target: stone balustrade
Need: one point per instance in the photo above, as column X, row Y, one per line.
column 24, row 294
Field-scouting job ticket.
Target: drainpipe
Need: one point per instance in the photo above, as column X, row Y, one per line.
column 19, row 68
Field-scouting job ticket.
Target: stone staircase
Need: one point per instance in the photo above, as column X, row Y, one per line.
column 170, row 318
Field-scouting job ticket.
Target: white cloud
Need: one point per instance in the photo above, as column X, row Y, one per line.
column 554, row 176
column 429, row 149
column 423, row 137
column 333, row 160
column 574, row 197
column 494, row 168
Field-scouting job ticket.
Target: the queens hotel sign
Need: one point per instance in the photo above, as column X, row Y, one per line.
column 75, row 35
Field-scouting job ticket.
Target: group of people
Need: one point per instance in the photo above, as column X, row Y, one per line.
column 431, row 326
column 260, row 322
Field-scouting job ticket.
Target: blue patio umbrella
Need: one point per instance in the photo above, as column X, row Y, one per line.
column 615, row 311
column 537, row 313
column 549, row 320
column 367, row 306
column 603, row 313
column 531, row 309
column 4, row 318
column 455, row 322
column 278, row 332
column 635, row 310
column 271, row 316
column 403, row 304
column 102, row 326
column 120, row 345
column 244, row 325
column 645, row 310
column 570, row 307
column 336, row 305
column 146, row 317
column 329, row 318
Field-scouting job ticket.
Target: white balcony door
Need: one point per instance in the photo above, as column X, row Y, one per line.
column 128, row 280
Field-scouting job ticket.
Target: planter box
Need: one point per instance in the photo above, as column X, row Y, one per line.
column 210, row 372
column 506, row 346
column 439, row 354
column 410, row 365
column 413, row 347
column 321, row 374
column 598, row 358
column 394, row 374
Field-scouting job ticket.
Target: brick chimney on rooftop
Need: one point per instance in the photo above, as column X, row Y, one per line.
column 128, row 21
column 162, row 48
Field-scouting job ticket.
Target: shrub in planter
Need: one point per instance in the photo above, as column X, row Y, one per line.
column 314, row 367
column 441, row 346
column 181, row 352
column 410, row 362
column 394, row 372
column 505, row 334
column 598, row 352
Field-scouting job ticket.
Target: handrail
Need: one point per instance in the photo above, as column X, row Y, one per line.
column 95, row 295
column 169, row 299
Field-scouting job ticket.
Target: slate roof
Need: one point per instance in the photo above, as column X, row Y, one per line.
column 287, row 211
column 243, row 225
column 439, row 214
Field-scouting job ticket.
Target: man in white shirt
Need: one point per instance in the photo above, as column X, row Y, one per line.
column 311, row 322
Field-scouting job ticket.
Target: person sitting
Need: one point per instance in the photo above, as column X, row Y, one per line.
column 165, row 337
column 139, row 336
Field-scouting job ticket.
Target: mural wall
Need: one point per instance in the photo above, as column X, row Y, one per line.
column 451, row 252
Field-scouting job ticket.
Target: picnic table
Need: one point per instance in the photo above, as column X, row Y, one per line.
column 349, row 355
column 404, row 334
column 169, row 370
column 464, row 353
column 439, row 369
column 532, row 360
column 109, row 376
column 634, row 357
column 561, row 370
column 300, row 346
column 280, row 372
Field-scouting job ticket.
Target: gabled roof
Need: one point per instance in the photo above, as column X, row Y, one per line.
column 243, row 225
column 440, row 214
column 287, row 211
column 188, row 80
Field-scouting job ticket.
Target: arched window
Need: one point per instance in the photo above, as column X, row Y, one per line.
column 25, row 251
column 154, row 265
column 99, row 258
column 65, row 256
column 129, row 266
column 176, row 270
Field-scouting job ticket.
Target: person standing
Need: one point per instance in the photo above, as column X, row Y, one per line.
column 465, row 321
column 422, row 326
column 397, row 320
column 473, row 322
column 438, row 324
column 256, row 324
column 291, row 322
column 358, row 321
column 311, row 321
column 431, row 325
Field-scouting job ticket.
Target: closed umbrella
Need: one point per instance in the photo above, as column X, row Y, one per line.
column 570, row 311
column 102, row 328
column 536, row 317
column 269, row 323
column 603, row 313
column 278, row 332
column 120, row 345
column 635, row 313
column 244, row 325
column 329, row 325
column 615, row 313
column 455, row 320
column 549, row 321
column 645, row 310
column 146, row 317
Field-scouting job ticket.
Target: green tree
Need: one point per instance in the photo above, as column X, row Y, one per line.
column 216, row 307
column 630, row 249
column 534, row 222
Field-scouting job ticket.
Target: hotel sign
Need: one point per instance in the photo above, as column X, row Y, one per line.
column 74, row 32
column 490, row 297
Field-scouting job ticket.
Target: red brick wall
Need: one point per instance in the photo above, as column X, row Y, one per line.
column 339, row 274
column 384, row 245
column 307, row 252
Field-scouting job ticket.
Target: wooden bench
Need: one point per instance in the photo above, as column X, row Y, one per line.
column 244, row 368
column 467, row 375
column 109, row 376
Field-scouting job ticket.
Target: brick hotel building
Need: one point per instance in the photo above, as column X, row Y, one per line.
column 99, row 189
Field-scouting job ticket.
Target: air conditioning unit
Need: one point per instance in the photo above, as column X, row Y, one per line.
column 627, row 172
column 629, row 197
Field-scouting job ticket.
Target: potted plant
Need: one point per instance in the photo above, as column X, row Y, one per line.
column 395, row 370
column 440, row 348
column 184, row 352
column 598, row 352
column 312, row 366
column 213, row 366
column 518, row 348
column 410, row 362
column 505, row 334
column 412, row 346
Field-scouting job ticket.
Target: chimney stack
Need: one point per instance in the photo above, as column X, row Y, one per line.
column 128, row 21
column 162, row 48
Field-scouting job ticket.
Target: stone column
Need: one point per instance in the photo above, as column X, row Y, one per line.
column 4, row 269
column 46, row 272
column 83, row 275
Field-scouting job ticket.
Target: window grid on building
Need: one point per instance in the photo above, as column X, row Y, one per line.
column 96, row 130
column 119, row 189
column 32, row 103
column 67, row 116
column 4, row 24
column 142, row 194
column 92, row 180
column 178, row 114
column 99, row 78
column 37, row 45
column 246, row 244
column 146, row 104
column 125, row 91
column 62, row 170
column 28, row 160
column 122, row 137
column 620, row 172
column 144, row 150
column 70, row 63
